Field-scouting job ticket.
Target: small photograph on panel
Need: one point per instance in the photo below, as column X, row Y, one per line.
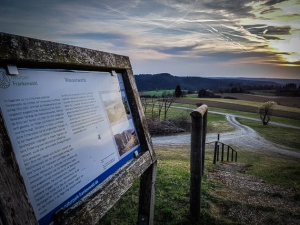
column 126, row 105
column 125, row 137
column 116, row 106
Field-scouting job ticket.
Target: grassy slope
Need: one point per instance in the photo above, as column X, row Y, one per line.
column 273, row 168
column 281, row 135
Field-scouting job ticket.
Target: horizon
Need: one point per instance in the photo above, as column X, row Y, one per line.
column 255, row 39
column 212, row 77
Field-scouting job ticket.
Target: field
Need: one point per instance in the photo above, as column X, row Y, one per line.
column 241, row 105
column 283, row 101
column 158, row 93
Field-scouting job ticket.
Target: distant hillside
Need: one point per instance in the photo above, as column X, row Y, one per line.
column 164, row 81
column 277, row 80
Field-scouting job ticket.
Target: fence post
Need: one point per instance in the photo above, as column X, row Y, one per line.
column 228, row 153
column 197, row 137
column 222, row 156
column 218, row 151
column 215, row 152
column 147, row 195
column 204, row 139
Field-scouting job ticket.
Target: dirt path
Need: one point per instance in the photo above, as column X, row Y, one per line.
column 243, row 137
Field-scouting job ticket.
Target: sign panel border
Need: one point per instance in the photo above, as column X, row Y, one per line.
column 32, row 53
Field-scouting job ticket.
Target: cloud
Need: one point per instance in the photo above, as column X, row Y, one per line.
column 237, row 7
column 176, row 50
column 115, row 40
column 262, row 29
column 270, row 10
column 97, row 36
column 184, row 32
column 232, row 56
column 273, row 2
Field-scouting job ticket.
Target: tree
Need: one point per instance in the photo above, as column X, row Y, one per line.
column 202, row 93
column 167, row 102
column 144, row 104
column 178, row 92
column 265, row 111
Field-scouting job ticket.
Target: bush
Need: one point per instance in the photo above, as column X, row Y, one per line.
column 169, row 126
column 229, row 97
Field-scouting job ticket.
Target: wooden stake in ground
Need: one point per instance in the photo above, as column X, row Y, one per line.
column 198, row 134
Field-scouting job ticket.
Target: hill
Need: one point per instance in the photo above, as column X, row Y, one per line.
column 164, row 81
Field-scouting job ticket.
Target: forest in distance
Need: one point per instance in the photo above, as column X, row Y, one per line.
column 166, row 81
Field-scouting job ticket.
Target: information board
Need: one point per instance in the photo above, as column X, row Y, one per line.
column 69, row 130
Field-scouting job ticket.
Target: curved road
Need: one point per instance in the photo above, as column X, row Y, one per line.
column 243, row 137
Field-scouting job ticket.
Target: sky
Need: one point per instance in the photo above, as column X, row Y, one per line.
column 206, row 38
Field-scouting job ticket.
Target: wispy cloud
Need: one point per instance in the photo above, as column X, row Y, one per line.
column 227, row 32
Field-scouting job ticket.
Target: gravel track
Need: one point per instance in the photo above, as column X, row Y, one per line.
column 243, row 137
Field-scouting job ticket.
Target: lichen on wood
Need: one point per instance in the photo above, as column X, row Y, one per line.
column 28, row 50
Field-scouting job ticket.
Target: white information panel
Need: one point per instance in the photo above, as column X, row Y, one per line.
column 69, row 129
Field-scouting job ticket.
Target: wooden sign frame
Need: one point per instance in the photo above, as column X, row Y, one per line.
column 15, row 206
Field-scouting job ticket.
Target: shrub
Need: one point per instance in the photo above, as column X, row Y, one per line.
column 229, row 97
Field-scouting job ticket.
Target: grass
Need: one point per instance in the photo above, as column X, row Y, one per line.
column 158, row 93
column 280, row 135
column 247, row 103
column 172, row 184
column 256, row 116
column 216, row 123
column 171, row 114
column 172, row 187
column 171, row 197
column 248, row 114
column 273, row 168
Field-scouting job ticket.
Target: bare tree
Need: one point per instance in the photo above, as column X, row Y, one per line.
column 144, row 104
column 167, row 101
column 152, row 107
column 160, row 105
column 265, row 111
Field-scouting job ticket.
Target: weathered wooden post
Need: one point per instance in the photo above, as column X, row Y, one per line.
column 198, row 135
column 218, row 148
column 73, row 135
column 204, row 138
column 228, row 152
column 215, row 153
column 222, row 154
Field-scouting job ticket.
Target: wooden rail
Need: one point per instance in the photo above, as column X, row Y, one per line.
column 234, row 154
